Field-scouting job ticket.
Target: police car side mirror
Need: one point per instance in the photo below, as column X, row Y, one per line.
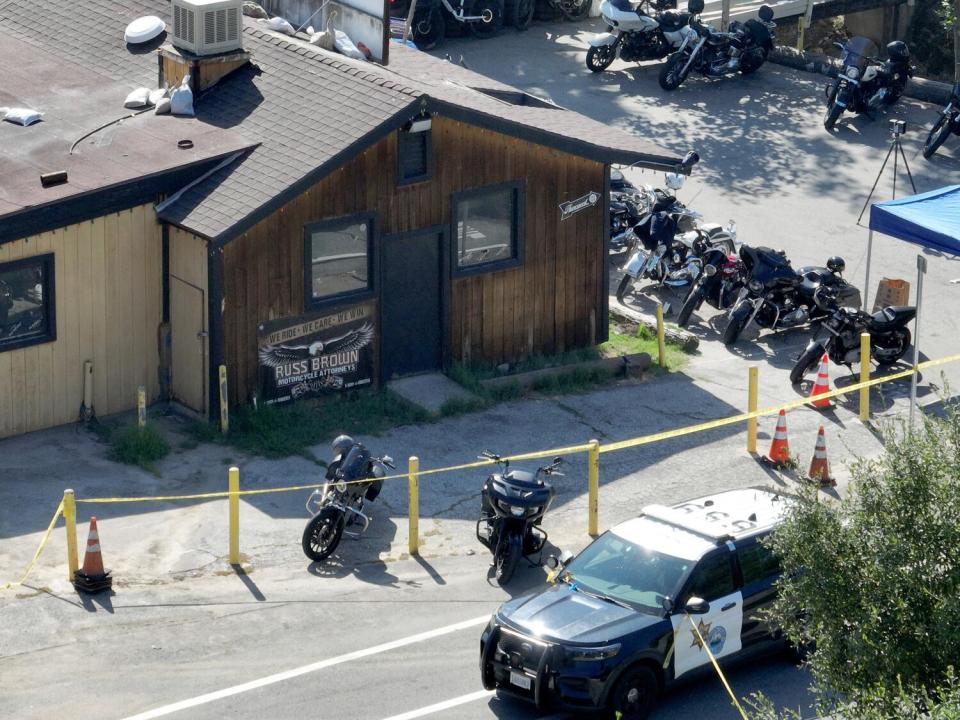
column 696, row 606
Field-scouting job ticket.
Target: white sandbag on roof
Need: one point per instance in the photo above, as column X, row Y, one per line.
column 181, row 99
column 279, row 25
column 345, row 46
column 21, row 116
column 139, row 98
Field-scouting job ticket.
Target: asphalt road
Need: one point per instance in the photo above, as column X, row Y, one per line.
column 292, row 640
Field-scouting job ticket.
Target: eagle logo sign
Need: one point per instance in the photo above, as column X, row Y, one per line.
column 355, row 339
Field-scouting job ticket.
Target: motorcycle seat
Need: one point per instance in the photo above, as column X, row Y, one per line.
column 892, row 316
column 672, row 20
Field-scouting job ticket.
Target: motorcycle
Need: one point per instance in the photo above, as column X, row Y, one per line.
column 571, row 9
column 864, row 83
column 665, row 246
column 889, row 336
column 354, row 476
column 777, row 297
column 744, row 47
column 484, row 18
column 719, row 284
column 512, row 506
column 948, row 122
column 636, row 34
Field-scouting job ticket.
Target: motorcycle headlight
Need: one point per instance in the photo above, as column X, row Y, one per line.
column 853, row 73
column 591, row 654
column 517, row 511
column 755, row 286
column 340, row 485
column 709, row 270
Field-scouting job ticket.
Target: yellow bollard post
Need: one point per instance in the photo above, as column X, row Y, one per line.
column 234, row 499
column 593, row 484
column 865, row 376
column 752, row 399
column 141, row 406
column 661, row 347
column 413, row 486
column 70, row 520
column 224, row 408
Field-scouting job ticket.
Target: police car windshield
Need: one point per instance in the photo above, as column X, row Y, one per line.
column 619, row 569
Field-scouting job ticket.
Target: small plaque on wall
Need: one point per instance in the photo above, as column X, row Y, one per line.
column 317, row 354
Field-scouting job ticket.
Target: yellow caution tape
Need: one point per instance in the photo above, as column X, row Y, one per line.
column 569, row 449
column 36, row 555
column 716, row 667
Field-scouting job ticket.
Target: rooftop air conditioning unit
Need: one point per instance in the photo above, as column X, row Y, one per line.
column 207, row 27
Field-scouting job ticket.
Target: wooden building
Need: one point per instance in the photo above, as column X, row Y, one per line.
column 327, row 224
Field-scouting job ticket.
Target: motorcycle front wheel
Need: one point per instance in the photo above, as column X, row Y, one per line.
column 429, row 28
column 575, row 9
column 599, row 57
column 937, row 136
column 807, row 362
column 507, row 559
column 833, row 114
column 690, row 305
column 671, row 74
column 623, row 288
column 736, row 324
column 522, row 13
column 322, row 534
column 492, row 9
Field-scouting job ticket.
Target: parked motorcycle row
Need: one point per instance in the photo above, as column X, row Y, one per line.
column 654, row 29
column 669, row 245
column 512, row 505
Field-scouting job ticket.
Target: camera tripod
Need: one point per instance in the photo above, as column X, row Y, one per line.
column 897, row 128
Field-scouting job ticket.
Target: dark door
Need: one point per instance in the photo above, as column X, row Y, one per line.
column 410, row 297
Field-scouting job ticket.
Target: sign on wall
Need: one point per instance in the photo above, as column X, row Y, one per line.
column 315, row 355
column 572, row 207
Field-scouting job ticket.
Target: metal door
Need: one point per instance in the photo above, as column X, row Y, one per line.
column 410, row 297
column 188, row 341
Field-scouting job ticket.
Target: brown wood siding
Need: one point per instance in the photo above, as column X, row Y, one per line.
column 108, row 298
column 549, row 303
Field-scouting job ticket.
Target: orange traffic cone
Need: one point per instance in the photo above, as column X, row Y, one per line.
column 779, row 453
column 92, row 578
column 822, row 385
column 819, row 468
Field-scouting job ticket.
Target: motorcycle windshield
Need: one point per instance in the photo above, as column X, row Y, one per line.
column 858, row 51
column 354, row 465
column 766, row 265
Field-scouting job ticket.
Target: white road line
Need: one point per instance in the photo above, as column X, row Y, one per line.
column 445, row 705
column 305, row 669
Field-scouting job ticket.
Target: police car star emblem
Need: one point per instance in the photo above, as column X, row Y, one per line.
column 704, row 630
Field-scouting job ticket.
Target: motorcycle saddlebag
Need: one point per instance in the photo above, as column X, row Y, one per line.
column 671, row 20
column 373, row 490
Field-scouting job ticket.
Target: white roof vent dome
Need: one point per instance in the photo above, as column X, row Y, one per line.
column 143, row 29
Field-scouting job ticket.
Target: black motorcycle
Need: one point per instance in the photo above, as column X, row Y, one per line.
column 512, row 506
column 889, row 336
column 864, row 83
column 777, row 297
column 948, row 122
column 743, row 48
column 354, row 476
column 719, row 284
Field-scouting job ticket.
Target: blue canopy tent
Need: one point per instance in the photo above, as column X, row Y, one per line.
column 930, row 219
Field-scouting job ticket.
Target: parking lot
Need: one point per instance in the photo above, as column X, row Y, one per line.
column 377, row 635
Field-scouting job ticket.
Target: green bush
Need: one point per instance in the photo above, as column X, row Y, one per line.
column 874, row 579
column 136, row 445
column 930, row 37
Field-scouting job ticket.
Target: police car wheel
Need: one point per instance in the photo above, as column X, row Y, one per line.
column 634, row 695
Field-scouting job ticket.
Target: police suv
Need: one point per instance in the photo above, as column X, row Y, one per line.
column 631, row 613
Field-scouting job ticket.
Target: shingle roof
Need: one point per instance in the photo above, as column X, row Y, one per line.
column 309, row 110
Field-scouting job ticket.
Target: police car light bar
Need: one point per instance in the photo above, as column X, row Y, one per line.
column 713, row 524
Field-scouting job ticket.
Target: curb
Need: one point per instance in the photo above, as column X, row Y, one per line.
column 930, row 91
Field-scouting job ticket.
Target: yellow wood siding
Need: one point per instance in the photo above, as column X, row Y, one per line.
column 188, row 317
column 108, row 294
